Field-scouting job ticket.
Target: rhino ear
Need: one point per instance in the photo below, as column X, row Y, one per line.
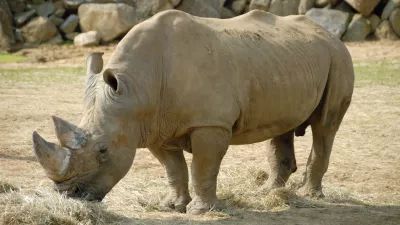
column 68, row 134
column 112, row 80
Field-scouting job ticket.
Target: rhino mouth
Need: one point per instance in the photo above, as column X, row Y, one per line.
column 80, row 192
column 88, row 197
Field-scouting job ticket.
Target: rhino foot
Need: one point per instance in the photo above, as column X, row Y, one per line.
column 198, row 206
column 308, row 191
column 176, row 203
column 268, row 186
column 273, row 182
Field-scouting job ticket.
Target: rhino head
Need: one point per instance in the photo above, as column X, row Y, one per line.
column 92, row 157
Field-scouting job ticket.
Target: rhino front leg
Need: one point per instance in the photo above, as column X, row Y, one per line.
column 281, row 160
column 209, row 146
column 177, row 173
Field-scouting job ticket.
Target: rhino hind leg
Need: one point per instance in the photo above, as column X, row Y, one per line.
column 323, row 138
column 209, row 145
column 177, row 173
column 282, row 161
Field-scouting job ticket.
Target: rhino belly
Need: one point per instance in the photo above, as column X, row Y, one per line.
column 268, row 117
column 264, row 132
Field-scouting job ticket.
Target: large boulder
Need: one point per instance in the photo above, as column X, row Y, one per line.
column 238, row 6
column 21, row 18
column 17, row 6
column 385, row 31
column 284, row 7
column 202, row 8
column 259, row 4
column 325, row 3
column 45, row 9
column 389, row 7
column 6, row 33
column 73, row 4
column 227, row 13
column 365, row 7
column 394, row 20
column 305, row 5
column 18, row 35
column 71, row 36
column 70, row 24
column 59, row 12
column 374, row 20
column 110, row 20
column 359, row 28
column 146, row 9
column 39, row 30
column 345, row 7
column 334, row 21
column 56, row 20
column 56, row 40
column 90, row 38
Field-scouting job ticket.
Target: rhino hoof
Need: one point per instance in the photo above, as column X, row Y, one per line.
column 198, row 206
column 306, row 191
column 270, row 185
column 177, row 204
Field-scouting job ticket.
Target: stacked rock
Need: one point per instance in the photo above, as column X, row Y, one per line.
column 91, row 22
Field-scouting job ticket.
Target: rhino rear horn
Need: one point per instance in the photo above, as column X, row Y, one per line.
column 68, row 134
column 54, row 159
column 94, row 65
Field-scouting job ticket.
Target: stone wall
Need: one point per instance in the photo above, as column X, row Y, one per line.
column 25, row 23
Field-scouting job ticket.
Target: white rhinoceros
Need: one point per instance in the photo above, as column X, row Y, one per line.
column 178, row 82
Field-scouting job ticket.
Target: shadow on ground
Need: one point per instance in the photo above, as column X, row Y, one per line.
column 326, row 214
column 12, row 157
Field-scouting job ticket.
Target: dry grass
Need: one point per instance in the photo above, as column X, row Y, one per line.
column 238, row 192
column 43, row 206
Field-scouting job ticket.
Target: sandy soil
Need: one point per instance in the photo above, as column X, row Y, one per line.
column 362, row 184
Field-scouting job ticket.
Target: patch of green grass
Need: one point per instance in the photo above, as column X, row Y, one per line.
column 7, row 58
column 68, row 43
column 42, row 75
column 381, row 72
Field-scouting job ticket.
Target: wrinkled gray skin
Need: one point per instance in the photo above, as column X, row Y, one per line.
column 178, row 82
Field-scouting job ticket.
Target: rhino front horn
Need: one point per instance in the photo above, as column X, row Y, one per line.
column 54, row 159
column 68, row 134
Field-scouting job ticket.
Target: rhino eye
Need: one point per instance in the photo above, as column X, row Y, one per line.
column 103, row 150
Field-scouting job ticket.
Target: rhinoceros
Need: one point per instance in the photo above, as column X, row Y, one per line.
column 178, row 82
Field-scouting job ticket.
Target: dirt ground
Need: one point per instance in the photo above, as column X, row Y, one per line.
column 362, row 185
